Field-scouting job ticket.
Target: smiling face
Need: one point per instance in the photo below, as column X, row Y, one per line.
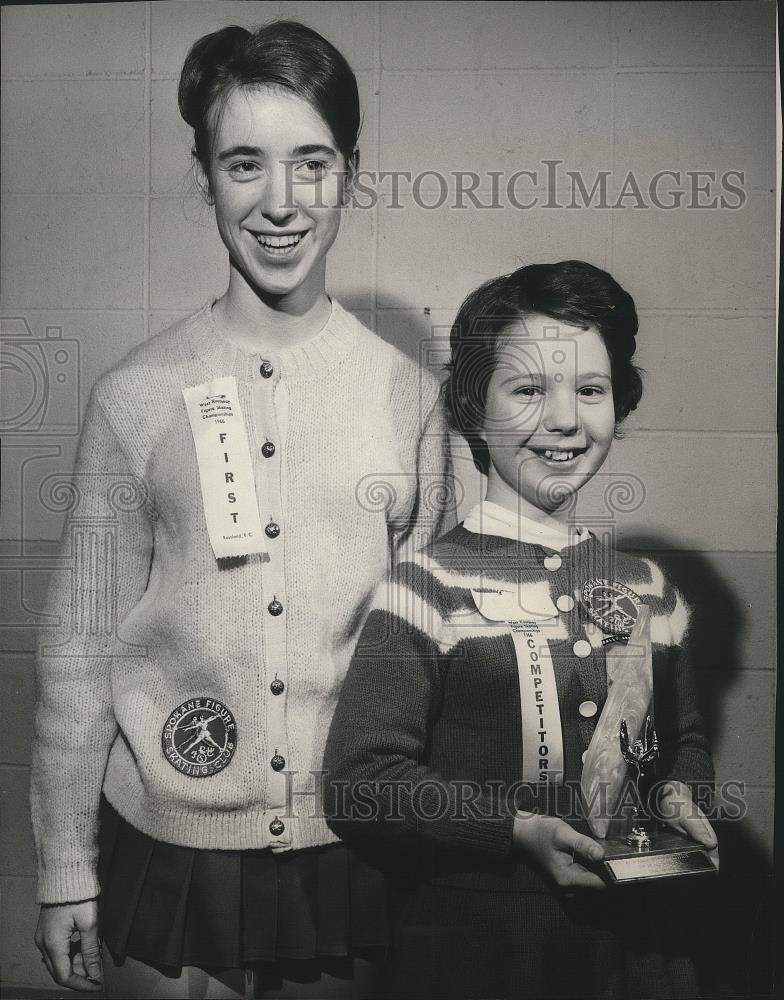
column 277, row 182
column 549, row 415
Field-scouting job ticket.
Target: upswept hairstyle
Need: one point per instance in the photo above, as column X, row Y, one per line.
column 571, row 291
column 282, row 54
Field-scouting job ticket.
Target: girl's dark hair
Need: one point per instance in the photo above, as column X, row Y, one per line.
column 571, row 291
column 280, row 54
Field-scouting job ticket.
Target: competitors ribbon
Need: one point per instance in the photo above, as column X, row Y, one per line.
column 543, row 754
column 228, row 488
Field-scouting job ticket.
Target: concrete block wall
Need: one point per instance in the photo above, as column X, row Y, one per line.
column 105, row 242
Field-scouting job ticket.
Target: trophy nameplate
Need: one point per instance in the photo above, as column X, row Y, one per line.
column 669, row 855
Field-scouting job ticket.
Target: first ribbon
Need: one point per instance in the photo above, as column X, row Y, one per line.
column 228, row 489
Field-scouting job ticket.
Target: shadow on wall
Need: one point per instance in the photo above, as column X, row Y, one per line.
column 736, row 910
column 716, row 624
column 421, row 334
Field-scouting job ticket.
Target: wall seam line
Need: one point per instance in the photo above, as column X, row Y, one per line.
column 377, row 73
column 613, row 84
column 147, row 165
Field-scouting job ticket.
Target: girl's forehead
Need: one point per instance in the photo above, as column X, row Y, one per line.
column 537, row 326
column 268, row 116
column 546, row 345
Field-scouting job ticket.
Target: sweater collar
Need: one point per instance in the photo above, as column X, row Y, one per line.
column 489, row 518
column 326, row 348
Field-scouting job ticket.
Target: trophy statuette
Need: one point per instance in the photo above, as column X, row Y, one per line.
column 641, row 754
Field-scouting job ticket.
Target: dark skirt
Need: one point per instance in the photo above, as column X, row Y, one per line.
column 615, row 944
column 171, row 906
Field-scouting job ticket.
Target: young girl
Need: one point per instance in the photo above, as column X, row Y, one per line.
column 436, row 748
column 224, row 544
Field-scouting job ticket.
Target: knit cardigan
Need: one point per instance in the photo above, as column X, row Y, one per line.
column 145, row 621
column 425, row 754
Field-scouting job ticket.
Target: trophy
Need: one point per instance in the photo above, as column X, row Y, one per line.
column 636, row 846
column 642, row 756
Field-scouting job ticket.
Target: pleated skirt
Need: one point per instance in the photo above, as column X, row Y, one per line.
column 172, row 906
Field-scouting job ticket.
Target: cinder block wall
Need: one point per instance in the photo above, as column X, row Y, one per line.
column 105, row 244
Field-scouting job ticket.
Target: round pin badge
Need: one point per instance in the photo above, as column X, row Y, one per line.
column 612, row 606
column 199, row 737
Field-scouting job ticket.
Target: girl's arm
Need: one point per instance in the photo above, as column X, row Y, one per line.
column 103, row 570
column 435, row 510
column 688, row 782
column 691, row 762
column 378, row 781
column 677, row 709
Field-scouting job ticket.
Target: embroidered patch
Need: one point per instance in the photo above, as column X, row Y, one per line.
column 200, row 737
column 612, row 606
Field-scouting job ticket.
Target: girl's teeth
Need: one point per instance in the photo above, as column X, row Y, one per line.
column 559, row 456
column 279, row 242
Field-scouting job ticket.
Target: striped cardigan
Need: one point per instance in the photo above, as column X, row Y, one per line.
column 432, row 701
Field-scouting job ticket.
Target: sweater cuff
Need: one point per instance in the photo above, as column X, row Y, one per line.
column 692, row 767
column 72, row 884
column 490, row 836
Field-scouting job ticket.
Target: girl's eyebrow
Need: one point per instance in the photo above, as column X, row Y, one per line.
column 602, row 375
column 313, row 150
column 240, row 151
column 308, row 150
column 518, row 376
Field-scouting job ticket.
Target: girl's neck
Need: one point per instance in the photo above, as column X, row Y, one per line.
column 255, row 322
column 500, row 493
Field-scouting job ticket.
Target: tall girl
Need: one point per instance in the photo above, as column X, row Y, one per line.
column 223, row 546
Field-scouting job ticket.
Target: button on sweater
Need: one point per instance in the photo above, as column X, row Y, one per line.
column 150, row 633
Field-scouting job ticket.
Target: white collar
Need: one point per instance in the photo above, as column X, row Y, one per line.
column 488, row 518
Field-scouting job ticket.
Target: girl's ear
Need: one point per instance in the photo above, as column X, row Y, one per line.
column 352, row 169
column 201, row 180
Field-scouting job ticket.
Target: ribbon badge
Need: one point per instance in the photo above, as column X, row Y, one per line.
column 228, row 489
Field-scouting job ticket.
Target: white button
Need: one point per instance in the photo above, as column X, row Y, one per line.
column 582, row 648
column 587, row 709
column 585, row 754
column 552, row 562
column 565, row 602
